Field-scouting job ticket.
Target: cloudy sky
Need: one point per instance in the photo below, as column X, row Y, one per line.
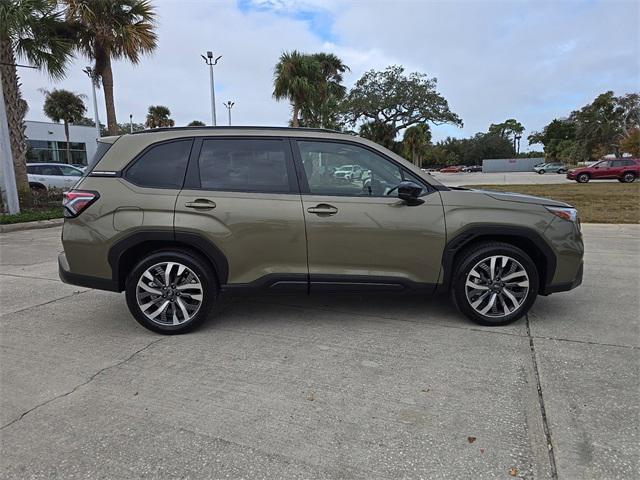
column 533, row 61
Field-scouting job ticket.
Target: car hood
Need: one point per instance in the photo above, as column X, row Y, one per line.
column 518, row 197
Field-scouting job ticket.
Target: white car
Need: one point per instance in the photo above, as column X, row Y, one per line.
column 348, row 172
column 44, row 176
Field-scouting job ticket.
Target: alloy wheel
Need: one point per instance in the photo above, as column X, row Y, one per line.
column 169, row 293
column 497, row 286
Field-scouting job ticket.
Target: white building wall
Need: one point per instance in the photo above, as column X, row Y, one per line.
column 50, row 131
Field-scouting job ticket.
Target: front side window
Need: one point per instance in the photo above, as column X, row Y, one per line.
column 245, row 165
column 348, row 170
column 161, row 166
column 70, row 171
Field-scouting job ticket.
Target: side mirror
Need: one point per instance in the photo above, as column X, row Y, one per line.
column 410, row 192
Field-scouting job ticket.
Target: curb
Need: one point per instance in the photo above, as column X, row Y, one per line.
column 17, row 227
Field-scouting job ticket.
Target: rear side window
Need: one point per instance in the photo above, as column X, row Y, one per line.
column 245, row 165
column 101, row 150
column 161, row 166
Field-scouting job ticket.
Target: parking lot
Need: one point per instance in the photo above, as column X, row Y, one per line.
column 320, row 387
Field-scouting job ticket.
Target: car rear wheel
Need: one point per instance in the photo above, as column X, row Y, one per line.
column 562, row 170
column 171, row 291
column 495, row 284
column 582, row 178
column 628, row 177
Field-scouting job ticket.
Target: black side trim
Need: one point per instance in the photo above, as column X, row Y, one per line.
column 365, row 283
column 474, row 232
column 566, row 286
column 271, row 283
column 86, row 280
column 194, row 240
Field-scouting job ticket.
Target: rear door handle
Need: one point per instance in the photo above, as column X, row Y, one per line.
column 323, row 209
column 201, row 204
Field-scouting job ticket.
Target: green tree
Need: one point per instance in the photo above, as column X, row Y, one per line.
column 381, row 133
column 112, row 30
column 195, row 123
column 33, row 31
column 398, row 100
column 558, row 139
column 296, row 79
column 66, row 107
column 511, row 129
column 158, row 117
column 415, row 141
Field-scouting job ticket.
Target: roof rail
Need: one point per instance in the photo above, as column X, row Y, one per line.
column 237, row 127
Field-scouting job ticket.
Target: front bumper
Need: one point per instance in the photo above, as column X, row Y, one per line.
column 571, row 175
column 83, row 280
column 566, row 286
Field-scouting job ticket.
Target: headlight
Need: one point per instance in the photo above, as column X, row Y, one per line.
column 566, row 213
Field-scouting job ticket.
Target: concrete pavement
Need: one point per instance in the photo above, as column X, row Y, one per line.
column 319, row 387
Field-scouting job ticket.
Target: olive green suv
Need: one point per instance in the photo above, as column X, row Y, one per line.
column 177, row 217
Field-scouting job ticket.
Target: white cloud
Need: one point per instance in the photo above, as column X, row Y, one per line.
column 493, row 60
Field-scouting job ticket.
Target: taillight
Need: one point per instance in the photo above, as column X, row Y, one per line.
column 76, row 201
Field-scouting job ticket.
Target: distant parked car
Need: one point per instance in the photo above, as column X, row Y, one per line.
column 451, row 169
column 550, row 167
column 348, row 172
column 43, row 176
column 472, row 168
column 625, row 170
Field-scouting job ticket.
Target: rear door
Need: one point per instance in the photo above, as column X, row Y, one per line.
column 358, row 231
column 241, row 194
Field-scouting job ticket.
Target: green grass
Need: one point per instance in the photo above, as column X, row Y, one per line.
column 31, row 216
column 596, row 202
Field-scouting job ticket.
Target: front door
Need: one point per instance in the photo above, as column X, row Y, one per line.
column 242, row 195
column 358, row 231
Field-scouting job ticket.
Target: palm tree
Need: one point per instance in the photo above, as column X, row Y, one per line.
column 296, row 79
column 111, row 30
column 158, row 116
column 415, row 140
column 65, row 106
column 323, row 109
column 35, row 32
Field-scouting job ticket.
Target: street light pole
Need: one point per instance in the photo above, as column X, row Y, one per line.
column 130, row 123
column 89, row 72
column 229, row 106
column 211, row 62
column 7, row 174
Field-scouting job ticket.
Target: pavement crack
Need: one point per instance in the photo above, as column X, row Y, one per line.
column 45, row 303
column 80, row 385
column 543, row 411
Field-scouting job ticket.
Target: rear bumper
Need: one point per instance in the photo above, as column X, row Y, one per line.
column 565, row 287
column 83, row 280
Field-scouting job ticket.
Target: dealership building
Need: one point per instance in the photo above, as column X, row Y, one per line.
column 46, row 142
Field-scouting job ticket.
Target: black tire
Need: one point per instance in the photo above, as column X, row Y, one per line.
column 540, row 172
column 562, row 170
column 198, row 265
column 628, row 177
column 469, row 259
column 583, row 178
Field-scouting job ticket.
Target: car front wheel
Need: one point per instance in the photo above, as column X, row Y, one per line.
column 582, row 178
column 495, row 283
column 171, row 291
column 540, row 172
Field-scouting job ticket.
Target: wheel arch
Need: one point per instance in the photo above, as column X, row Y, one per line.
column 126, row 252
column 524, row 238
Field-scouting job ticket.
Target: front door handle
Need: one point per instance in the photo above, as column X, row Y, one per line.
column 323, row 209
column 201, row 204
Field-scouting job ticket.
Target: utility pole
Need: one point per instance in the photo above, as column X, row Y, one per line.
column 130, row 123
column 90, row 73
column 229, row 106
column 211, row 62
column 8, row 175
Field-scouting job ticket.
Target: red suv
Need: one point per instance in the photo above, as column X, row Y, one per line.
column 623, row 169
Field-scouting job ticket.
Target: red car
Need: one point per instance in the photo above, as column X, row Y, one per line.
column 623, row 169
column 451, row 169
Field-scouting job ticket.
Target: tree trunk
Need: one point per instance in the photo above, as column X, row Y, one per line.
column 107, row 85
column 16, row 109
column 66, row 135
column 296, row 111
